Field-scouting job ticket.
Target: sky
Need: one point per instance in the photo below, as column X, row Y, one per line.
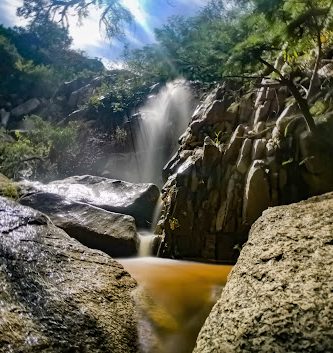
column 148, row 14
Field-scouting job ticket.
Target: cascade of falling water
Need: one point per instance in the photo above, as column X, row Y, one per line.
column 154, row 132
column 146, row 242
column 147, row 238
column 165, row 117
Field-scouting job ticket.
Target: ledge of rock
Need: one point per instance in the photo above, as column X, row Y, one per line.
column 113, row 233
column 136, row 200
column 279, row 297
column 56, row 294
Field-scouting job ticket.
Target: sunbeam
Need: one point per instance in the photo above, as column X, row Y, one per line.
column 139, row 11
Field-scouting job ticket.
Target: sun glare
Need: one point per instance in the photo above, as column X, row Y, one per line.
column 140, row 14
column 88, row 33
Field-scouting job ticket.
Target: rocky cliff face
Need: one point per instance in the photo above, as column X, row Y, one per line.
column 279, row 295
column 239, row 156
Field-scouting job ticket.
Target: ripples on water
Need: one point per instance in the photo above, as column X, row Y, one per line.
column 178, row 296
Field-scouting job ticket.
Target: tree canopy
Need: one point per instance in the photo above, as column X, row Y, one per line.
column 113, row 14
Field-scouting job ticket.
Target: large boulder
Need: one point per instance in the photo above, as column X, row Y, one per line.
column 113, row 233
column 136, row 200
column 26, row 108
column 56, row 294
column 279, row 296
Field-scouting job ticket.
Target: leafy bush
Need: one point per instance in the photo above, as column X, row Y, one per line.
column 9, row 190
column 38, row 80
column 42, row 150
column 36, row 59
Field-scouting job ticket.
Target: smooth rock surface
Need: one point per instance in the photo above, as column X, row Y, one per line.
column 56, row 294
column 279, row 296
column 136, row 200
column 113, row 233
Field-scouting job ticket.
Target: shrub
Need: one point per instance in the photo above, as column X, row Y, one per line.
column 41, row 150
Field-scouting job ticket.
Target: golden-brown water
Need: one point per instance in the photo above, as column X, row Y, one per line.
column 174, row 301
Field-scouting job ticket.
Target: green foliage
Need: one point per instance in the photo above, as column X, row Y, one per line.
column 174, row 223
column 319, row 107
column 119, row 137
column 42, row 146
column 217, row 139
column 228, row 39
column 36, row 59
column 116, row 98
column 113, row 13
column 9, row 190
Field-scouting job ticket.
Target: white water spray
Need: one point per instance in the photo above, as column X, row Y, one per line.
column 154, row 133
column 164, row 118
column 147, row 238
column 146, row 242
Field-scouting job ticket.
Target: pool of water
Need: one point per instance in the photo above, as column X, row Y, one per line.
column 174, row 298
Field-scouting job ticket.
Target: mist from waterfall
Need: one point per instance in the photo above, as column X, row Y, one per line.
column 164, row 118
column 153, row 134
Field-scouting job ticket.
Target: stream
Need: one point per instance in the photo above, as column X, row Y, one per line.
column 174, row 299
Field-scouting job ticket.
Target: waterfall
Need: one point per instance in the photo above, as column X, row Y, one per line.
column 153, row 133
column 164, row 118
column 147, row 238
column 146, row 241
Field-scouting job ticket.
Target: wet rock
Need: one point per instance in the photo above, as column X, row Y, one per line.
column 279, row 295
column 57, row 295
column 113, row 233
column 136, row 200
column 174, row 163
column 26, row 107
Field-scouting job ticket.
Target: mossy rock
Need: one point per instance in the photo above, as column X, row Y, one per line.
column 9, row 188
